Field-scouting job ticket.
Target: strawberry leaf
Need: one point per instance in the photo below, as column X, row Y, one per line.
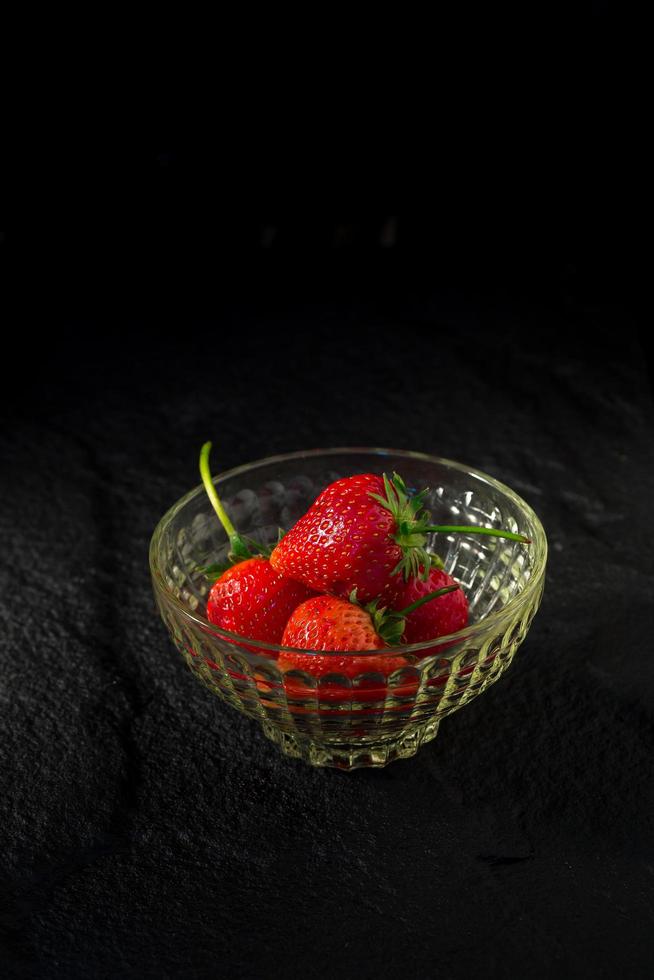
column 215, row 570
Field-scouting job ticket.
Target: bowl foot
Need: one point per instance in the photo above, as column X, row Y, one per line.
column 361, row 753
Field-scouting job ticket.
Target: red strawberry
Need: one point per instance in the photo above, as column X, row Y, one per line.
column 359, row 533
column 329, row 623
column 249, row 598
column 447, row 614
column 254, row 600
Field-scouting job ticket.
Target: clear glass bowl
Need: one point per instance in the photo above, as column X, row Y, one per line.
column 371, row 718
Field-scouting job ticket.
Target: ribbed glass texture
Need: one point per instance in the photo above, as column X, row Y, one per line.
column 368, row 719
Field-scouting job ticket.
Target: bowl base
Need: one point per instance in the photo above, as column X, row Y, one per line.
column 360, row 754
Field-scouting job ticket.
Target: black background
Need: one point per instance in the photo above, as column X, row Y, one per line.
column 149, row 831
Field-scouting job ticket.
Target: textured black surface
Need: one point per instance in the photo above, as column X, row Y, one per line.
column 150, row 831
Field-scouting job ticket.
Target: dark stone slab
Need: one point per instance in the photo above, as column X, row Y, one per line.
column 150, row 832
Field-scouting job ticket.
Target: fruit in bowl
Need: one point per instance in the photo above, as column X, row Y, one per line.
column 327, row 603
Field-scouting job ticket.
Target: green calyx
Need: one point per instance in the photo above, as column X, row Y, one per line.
column 410, row 534
column 240, row 546
column 413, row 524
column 390, row 623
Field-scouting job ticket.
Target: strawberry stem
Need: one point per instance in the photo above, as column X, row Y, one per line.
column 216, row 503
column 241, row 547
column 426, row 598
column 412, row 527
column 475, row 529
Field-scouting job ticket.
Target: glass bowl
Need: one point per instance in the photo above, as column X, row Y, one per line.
column 373, row 716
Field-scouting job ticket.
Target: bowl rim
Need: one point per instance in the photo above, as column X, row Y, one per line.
column 538, row 544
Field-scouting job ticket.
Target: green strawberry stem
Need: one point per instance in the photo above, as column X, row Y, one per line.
column 216, row 502
column 476, row 529
column 425, row 598
column 240, row 547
